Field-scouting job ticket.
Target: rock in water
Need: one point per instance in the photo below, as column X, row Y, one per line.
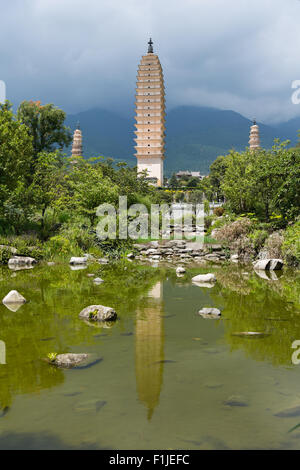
column 74, row 260
column 14, row 297
column 18, row 261
column 69, row 360
column 268, row 264
column 180, row 270
column 212, row 313
column 235, row 400
column 204, row 278
column 289, row 412
column 98, row 313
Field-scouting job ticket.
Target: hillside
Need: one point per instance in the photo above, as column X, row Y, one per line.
column 195, row 135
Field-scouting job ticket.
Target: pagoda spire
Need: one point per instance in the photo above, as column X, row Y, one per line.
column 150, row 46
column 254, row 138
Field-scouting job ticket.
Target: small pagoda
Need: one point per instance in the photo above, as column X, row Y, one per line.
column 150, row 117
column 77, row 142
column 254, row 140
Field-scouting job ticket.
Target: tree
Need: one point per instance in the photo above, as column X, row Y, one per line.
column 46, row 126
column 15, row 160
column 173, row 183
column 193, row 183
column 49, row 184
column 216, row 175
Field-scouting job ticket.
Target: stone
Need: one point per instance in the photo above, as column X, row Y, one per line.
column 78, row 260
column 50, row 263
column 268, row 264
column 234, row 257
column 19, row 261
column 98, row 313
column 14, row 297
column 180, row 270
column 204, row 278
column 90, row 275
column 289, row 412
column 98, row 280
column 211, row 313
column 69, row 360
column 130, row 255
column 235, row 400
column 103, row 260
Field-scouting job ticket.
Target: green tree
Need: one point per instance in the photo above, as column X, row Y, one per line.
column 46, row 126
column 15, row 160
column 173, row 183
column 48, row 188
column 216, row 175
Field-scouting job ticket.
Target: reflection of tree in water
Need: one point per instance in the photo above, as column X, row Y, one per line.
column 149, row 349
column 256, row 304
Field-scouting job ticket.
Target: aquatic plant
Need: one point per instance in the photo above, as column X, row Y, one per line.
column 52, row 356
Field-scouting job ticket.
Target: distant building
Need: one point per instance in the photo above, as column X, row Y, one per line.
column 189, row 174
column 150, row 117
column 254, row 139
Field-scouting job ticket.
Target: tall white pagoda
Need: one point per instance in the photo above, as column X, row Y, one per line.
column 150, row 117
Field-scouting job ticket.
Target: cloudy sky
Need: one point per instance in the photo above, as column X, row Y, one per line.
column 79, row 54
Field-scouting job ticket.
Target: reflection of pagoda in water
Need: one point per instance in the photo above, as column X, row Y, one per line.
column 149, row 350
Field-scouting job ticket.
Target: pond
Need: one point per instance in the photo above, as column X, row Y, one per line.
column 167, row 378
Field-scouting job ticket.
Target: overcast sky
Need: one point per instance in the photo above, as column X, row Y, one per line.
column 79, row 54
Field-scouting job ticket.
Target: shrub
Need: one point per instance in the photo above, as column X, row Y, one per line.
column 5, row 254
column 208, row 221
column 219, row 211
column 232, row 231
column 258, row 238
column 291, row 245
column 273, row 245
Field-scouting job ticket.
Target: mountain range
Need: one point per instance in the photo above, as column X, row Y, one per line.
column 195, row 136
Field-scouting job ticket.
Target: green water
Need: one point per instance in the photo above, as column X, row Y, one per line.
column 166, row 374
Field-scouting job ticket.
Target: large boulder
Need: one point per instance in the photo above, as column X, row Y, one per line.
column 211, row 313
column 98, row 313
column 268, row 264
column 204, row 278
column 14, row 297
column 67, row 360
column 21, row 261
column 78, row 260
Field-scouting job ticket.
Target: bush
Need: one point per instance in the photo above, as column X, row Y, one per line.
column 232, row 231
column 258, row 238
column 273, row 245
column 291, row 245
column 5, row 254
column 219, row 211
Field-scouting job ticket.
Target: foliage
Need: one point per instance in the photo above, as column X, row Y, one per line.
column 219, row 211
column 266, row 182
column 45, row 123
column 291, row 244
